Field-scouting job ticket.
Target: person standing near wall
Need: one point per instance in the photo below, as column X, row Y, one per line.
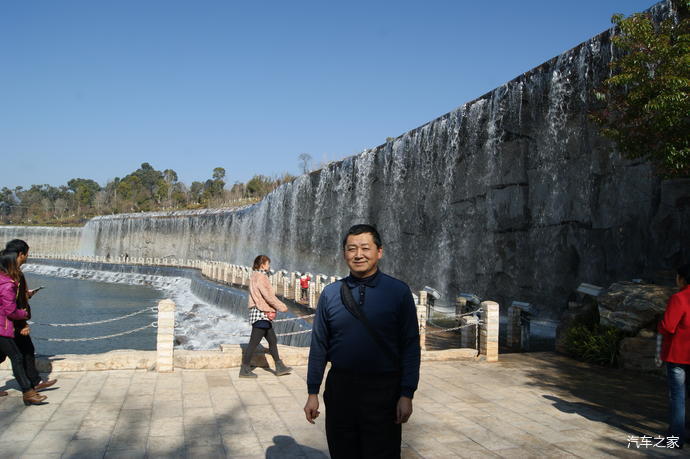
column 366, row 326
column 22, row 330
column 675, row 351
column 263, row 305
column 304, row 286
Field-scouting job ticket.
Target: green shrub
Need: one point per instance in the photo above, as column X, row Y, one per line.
column 596, row 344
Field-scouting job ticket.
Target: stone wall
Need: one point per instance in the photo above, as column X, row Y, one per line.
column 512, row 196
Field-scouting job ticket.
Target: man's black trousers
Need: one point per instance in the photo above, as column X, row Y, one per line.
column 360, row 414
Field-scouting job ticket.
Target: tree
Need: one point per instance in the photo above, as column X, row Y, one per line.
column 170, row 178
column 305, row 162
column 646, row 102
column 84, row 192
column 7, row 201
column 259, row 186
column 218, row 173
column 195, row 191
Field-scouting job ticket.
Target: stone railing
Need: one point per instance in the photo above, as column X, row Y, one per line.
column 287, row 285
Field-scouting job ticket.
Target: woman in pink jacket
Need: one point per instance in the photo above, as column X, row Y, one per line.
column 263, row 305
column 9, row 282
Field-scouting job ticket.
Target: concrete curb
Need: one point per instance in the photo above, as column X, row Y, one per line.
column 229, row 356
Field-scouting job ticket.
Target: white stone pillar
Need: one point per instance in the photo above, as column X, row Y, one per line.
column 311, row 295
column 286, row 288
column 422, row 318
column 298, row 291
column 424, row 300
column 166, row 336
column 488, row 335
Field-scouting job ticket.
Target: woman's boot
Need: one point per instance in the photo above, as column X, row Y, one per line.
column 246, row 372
column 282, row 369
column 31, row 397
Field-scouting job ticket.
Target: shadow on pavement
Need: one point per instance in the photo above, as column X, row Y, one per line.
column 286, row 447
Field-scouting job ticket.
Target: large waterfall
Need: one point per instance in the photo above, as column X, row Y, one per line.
column 44, row 239
column 512, row 196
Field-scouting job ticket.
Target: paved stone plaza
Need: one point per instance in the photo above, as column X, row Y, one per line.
column 525, row 405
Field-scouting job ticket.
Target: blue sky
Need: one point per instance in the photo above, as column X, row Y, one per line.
column 92, row 88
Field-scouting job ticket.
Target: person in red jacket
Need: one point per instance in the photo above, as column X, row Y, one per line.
column 675, row 351
column 304, row 285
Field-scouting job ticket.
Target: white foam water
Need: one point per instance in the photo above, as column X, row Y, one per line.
column 199, row 325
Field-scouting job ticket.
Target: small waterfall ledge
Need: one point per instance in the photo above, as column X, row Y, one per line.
column 204, row 330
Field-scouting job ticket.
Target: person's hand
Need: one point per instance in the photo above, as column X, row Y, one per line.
column 30, row 293
column 657, row 361
column 404, row 410
column 271, row 315
column 311, row 408
column 25, row 331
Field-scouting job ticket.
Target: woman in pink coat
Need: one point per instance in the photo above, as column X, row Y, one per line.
column 9, row 283
column 263, row 305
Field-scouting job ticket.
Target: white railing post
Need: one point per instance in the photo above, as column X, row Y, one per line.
column 165, row 337
column 286, row 288
column 421, row 318
column 488, row 337
column 311, row 295
column 298, row 291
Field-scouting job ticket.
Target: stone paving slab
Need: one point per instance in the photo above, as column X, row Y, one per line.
column 525, row 405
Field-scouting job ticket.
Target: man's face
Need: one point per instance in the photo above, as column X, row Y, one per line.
column 361, row 254
column 21, row 258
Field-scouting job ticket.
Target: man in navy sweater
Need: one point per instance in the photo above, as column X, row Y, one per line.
column 372, row 379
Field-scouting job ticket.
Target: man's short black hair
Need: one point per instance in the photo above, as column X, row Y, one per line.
column 18, row 246
column 361, row 229
column 684, row 272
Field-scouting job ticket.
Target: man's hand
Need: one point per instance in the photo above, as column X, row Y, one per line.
column 25, row 331
column 403, row 411
column 311, row 409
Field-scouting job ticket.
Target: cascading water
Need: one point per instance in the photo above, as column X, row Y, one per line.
column 512, row 196
column 46, row 239
column 199, row 325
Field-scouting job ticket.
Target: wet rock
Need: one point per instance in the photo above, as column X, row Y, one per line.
column 630, row 307
column 181, row 340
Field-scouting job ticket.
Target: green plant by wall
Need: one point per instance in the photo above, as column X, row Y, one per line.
column 596, row 344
